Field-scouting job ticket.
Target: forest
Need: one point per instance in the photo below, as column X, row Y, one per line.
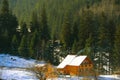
column 51, row 29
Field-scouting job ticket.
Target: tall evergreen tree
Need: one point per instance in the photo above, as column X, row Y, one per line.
column 35, row 25
column 23, row 47
column 5, row 7
column 74, row 47
column 104, row 42
column 75, row 31
column 15, row 45
column 8, row 25
column 116, row 54
column 103, row 36
column 75, row 27
column 66, row 32
column 88, row 50
column 32, row 47
column 45, row 30
column 24, row 29
column 49, row 53
column 87, row 27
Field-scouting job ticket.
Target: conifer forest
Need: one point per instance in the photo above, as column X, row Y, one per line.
column 51, row 29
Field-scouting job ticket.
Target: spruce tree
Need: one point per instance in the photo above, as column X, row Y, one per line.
column 74, row 47
column 45, row 30
column 5, row 7
column 103, row 36
column 88, row 50
column 116, row 54
column 104, row 42
column 87, row 27
column 14, row 45
column 23, row 47
column 75, row 27
column 75, row 31
column 8, row 25
column 24, row 29
column 34, row 25
column 32, row 46
column 66, row 32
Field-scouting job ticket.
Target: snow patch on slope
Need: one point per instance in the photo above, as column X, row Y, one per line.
column 16, row 74
column 14, row 68
column 13, row 61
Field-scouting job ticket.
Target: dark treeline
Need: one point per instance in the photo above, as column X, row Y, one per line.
column 79, row 27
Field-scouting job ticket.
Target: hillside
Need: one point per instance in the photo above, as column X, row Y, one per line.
column 52, row 29
column 56, row 10
column 14, row 67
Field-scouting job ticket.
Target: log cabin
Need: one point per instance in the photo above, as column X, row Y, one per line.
column 76, row 66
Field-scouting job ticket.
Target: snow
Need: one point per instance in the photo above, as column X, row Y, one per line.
column 14, row 61
column 77, row 60
column 71, row 78
column 16, row 74
column 66, row 61
column 109, row 77
column 101, row 77
column 15, row 68
column 73, row 60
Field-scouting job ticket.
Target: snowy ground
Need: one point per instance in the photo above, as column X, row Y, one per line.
column 16, row 74
column 101, row 77
column 13, row 61
column 14, row 68
column 109, row 77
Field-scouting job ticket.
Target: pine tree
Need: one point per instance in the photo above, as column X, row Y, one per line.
column 23, row 47
column 44, row 33
column 88, row 50
column 35, row 25
column 104, row 42
column 66, row 32
column 48, row 54
column 32, row 46
column 5, row 7
column 75, row 27
column 117, row 2
column 45, row 30
column 8, row 25
column 75, row 31
column 87, row 27
column 14, row 45
column 4, row 22
column 74, row 47
column 116, row 54
column 24, row 29
column 51, row 54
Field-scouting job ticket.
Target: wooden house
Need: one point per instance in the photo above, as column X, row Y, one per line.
column 76, row 66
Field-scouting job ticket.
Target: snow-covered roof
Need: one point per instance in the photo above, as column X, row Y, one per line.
column 73, row 60
column 77, row 60
column 66, row 61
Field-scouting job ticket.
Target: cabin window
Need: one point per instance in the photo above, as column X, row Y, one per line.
column 90, row 65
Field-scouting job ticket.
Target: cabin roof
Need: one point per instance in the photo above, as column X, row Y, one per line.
column 77, row 60
column 72, row 60
column 66, row 61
